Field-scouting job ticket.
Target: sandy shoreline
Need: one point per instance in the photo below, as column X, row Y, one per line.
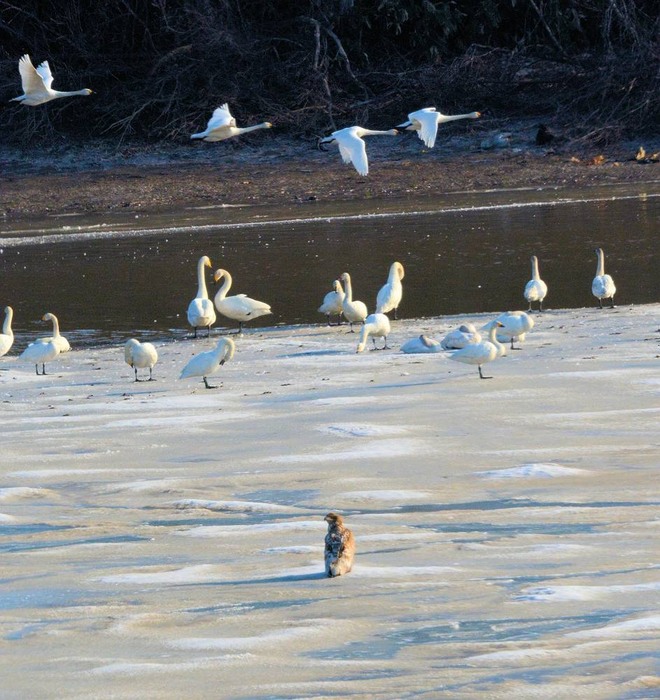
column 163, row 540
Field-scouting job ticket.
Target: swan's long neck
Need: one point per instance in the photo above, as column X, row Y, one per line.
column 600, row 267
column 372, row 132
column 72, row 93
column 222, row 292
column 56, row 326
column 455, row 117
column 535, row 268
column 396, row 273
column 492, row 335
column 348, row 288
column 246, row 129
column 6, row 326
column 201, row 281
column 226, row 349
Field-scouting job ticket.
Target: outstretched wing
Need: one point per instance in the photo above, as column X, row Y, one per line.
column 221, row 117
column 427, row 119
column 44, row 71
column 353, row 150
column 31, row 81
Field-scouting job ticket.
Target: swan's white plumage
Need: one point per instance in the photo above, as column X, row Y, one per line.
column 354, row 311
column 140, row 356
column 239, row 307
column 603, row 286
column 465, row 334
column 425, row 122
column 479, row 353
column 515, row 326
column 421, row 345
column 333, row 301
column 37, row 84
column 7, row 335
column 59, row 340
column 377, row 326
column 222, row 125
column 390, row 294
column 39, row 352
column 201, row 312
column 351, row 146
column 536, row 289
column 207, row 363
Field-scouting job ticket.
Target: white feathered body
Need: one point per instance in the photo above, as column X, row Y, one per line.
column 390, row 294
column 465, row 334
column 421, row 345
column 7, row 335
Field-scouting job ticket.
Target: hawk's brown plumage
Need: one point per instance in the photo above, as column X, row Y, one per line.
column 339, row 546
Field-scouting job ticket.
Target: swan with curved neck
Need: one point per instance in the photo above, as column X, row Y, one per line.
column 201, row 313
column 59, row 340
column 479, row 353
column 240, row 307
column 36, row 83
column 140, row 355
column 390, row 294
column 222, row 125
column 351, row 146
column 465, row 334
column 603, row 286
column 333, row 302
column 354, row 311
column 7, row 335
column 426, row 121
column 377, row 326
column 536, row 289
column 207, row 363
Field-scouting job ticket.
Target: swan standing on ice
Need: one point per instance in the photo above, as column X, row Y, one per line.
column 7, row 335
column 421, row 345
column 39, row 352
column 390, row 294
column 354, row 311
column 36, row 83
column 201, row 313
column 479, row 353
column 515, row 324
column 425, row 122
column 222, row 125
column 536, row 289
column 333, row 302
column 603, row 285
column 207, row 363
column 465, row 334
column 59, row 340
column 351, row 146
column 240, row 307
column 140, row 355
column 376, row 325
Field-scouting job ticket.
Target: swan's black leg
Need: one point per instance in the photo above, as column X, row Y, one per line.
column 481, row 375
column 36, row 369
column 396, row 318
column 611, row 302
column 136, row 377
column 151, row 379
column 207, row 385
column 43, row 368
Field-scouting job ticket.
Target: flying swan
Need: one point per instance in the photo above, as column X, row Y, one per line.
column 207, row 363
column 425, row 122
column 240, row 307
column 222, row 125
column 536, row 289
column 36, row 83
column 140, row 355
column 390, row 294
column 354, row 311
column 351, row 146
column 7, row 335
column 201, row 313
column 603, row 285
column 333, row 302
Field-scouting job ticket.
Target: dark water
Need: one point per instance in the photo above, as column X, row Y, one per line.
column 461, row 254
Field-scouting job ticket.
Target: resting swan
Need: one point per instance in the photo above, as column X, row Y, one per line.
column 40, row 352
column 421, row 345
column 390, row 294
column 351, row 146
column 603, row 285
column 354, row 311
column 376, row 325
column 201, row 313
column 207, row 363
column 479, row 353
column 333, row 302
column 59, row 340
column 240, row 308
column 140, row 355
column 536, row 289
column 7, row 335
column 515, row 325
column 222, row 125
column 36, row 83
column 425, row 122
column 460, row 337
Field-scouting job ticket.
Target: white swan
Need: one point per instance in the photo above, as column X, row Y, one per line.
column 140, row 355
column 420, row 345
column 39, row 352
column 333, row 302
column 201, row 313
column 479, row 353
column 425, row 122
column 515, row 325
column 207, row 363
column 7, row 335
column 351, row 146
column 466, row 334
column 375, row 325
column 536, row 289
column 390, row 294
column 501, row 349
column 603, row 285
column 36, row 83
column 354, row 311
column 222, row 125
column 59, row 340
column 240, row 308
